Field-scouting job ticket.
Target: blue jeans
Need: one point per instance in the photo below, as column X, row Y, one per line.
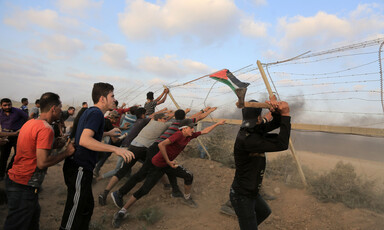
column 250, row 211
column 23, row 205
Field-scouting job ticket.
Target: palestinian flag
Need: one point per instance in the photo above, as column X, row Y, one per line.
column 226, row 77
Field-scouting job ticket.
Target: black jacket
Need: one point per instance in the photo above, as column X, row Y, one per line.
column 250, row 167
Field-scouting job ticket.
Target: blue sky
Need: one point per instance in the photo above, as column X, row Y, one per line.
column 65, row 46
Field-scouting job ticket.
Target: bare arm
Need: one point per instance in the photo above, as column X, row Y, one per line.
column 87, row 141
column 160, row 111
column 206, row 113
column 163, row 150
column 210, row 128
column 45, row 160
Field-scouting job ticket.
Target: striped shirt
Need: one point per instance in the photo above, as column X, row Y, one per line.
column 171, row 130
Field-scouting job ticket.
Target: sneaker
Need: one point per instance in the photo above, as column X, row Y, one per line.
column 117, row 199
column 227, row 210
column 102, row 199
column 177, row 193
column 190, row 202
column 118, row 217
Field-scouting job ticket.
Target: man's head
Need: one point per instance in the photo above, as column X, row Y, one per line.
column 133, row 109
column 180, row 114
column 50, row 103
column 84, row 104
column 71, row 110
column 37, row 103
column 140, row 113
column 6, row 105
column 160, row 117
column 251, row 116
column 24, row 101
column 150, row 95
column 102, row 94
column 187, row 127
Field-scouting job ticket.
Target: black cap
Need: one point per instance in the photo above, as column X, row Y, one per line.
column 187, row 123
column 250, row 116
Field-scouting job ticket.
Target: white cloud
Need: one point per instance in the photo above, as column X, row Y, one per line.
column 251, row 28
column 171, row 67
column 321, row 30
column 77, row 6
column 58, row 46
column 206, row 21
column 48, row 19
column 114, row 55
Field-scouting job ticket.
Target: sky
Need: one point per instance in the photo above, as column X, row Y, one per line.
column 65, row 46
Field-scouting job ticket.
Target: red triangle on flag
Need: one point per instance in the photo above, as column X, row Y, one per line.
column 222, row 74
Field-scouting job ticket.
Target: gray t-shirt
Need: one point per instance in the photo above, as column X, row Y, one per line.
column 150, row 107
column 35, row 112
column 151, row 132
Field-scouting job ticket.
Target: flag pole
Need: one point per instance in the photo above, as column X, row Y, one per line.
column 290, row 141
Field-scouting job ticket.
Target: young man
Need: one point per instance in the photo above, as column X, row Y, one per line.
column 24, row 105
column 30, row 165
column 153, row 150
column 251, row 144
column 164, row 162
column 151, row 104
column 138, row 146
column 11, row 120
column 35, row 110
column 78, row 168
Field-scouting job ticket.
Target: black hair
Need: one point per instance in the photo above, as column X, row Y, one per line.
column 71, row 107
column 133, row 109
column 6, row 100
column 24, row 99
column 84, row 103
column 150, row 95
column 100, row 89
column 180, row 114
column 139, row 112
column 37, row 101
column 47, row 100
column 116, row 103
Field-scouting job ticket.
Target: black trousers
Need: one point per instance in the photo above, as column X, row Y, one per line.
column 5, row 152
column 79, row 206
column 140, row 154
column 143, row 171
column 154, row 175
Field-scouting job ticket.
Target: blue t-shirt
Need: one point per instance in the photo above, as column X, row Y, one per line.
column 93, row 119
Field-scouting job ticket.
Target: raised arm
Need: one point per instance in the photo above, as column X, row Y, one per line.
column 210, row 128
column 160, row 111
column 161, row 99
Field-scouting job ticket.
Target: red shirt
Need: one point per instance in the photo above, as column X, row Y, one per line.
column 35, row 134
column 120, row 112
column 179, row 141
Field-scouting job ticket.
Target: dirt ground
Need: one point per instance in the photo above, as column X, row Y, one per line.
column 293, row 209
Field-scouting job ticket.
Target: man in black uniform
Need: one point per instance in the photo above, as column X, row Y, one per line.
column 252, row 141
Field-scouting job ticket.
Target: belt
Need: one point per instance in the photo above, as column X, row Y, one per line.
column 257, row 154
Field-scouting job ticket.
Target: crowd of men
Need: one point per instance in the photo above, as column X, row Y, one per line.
column 40, row 139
